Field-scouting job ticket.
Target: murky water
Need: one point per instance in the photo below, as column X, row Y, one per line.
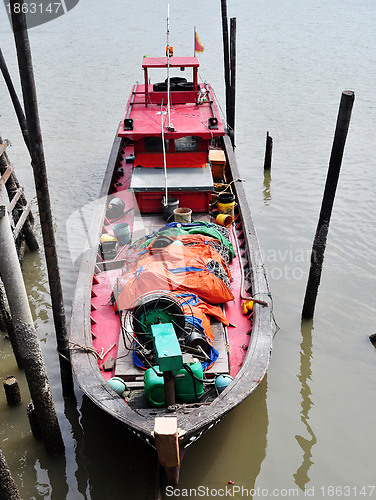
column 309, row 428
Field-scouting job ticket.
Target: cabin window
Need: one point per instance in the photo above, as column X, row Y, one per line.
column 154, row 145
column 188, row 143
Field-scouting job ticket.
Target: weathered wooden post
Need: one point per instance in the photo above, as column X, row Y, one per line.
column 231, row 108
column 41, row 185
column 226, row 56
column 268, row 152
column 33, row 421
column 12, row 391
column 8, row 488
column 5, row 319
column 318, row 248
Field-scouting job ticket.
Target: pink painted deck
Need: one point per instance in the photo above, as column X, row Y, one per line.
column 240, row 329
column 187, row 118
column 106, row 326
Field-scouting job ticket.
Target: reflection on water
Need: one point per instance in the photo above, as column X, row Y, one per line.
column 267, row 183
column 77, row 433
column 51, row 477
column 233, row 450
column 305, row 375
column 112, row 462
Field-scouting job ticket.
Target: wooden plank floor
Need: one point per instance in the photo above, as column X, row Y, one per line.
column 125, row 368
column 219, row 343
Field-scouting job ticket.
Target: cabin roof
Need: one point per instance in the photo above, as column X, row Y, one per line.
column 175, row 62
column 187, row 118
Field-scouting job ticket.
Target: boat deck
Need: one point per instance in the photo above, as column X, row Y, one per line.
column 236, row 335
column 125, row 368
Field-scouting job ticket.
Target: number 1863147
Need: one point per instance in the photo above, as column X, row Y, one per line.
column 348, row 491
column 36, row 8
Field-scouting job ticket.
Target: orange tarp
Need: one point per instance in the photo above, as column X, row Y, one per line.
column 176, row 268
column 202, row 310
column 156, row 277
column 183, row 256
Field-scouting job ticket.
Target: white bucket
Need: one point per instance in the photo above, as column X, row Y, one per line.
column 182, row 214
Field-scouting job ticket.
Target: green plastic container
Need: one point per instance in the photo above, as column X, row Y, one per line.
column 117, row 384
column 154, row 387
column 184, row 389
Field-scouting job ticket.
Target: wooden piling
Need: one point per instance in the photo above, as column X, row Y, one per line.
column 268, row 152
column 231, row 108
column 23, row 219
column 41, row 185
column 5, row 319
column 24, row 338
column 40, row 391
column 226, row 54
column 33, row 421
column 12, row 279
column 8, row 488
column 319, row 244
column 12, row 391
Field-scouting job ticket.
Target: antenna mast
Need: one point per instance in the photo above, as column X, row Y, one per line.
column 169, row 127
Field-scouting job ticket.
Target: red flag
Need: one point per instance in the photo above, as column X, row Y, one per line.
column 198, row 45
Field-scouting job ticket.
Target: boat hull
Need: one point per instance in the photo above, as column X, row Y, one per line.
column 192, row 422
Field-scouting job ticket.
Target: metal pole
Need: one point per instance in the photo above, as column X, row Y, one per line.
column 41, row 185
column 231, row 117
column 319, row 244
column 226, row 57
column 268, row 152
column 169, row 127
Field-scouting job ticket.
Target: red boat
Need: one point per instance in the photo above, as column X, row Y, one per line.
column 171, row 326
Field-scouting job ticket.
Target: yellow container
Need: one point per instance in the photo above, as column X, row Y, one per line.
column 224, row 220
column 226, row 203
